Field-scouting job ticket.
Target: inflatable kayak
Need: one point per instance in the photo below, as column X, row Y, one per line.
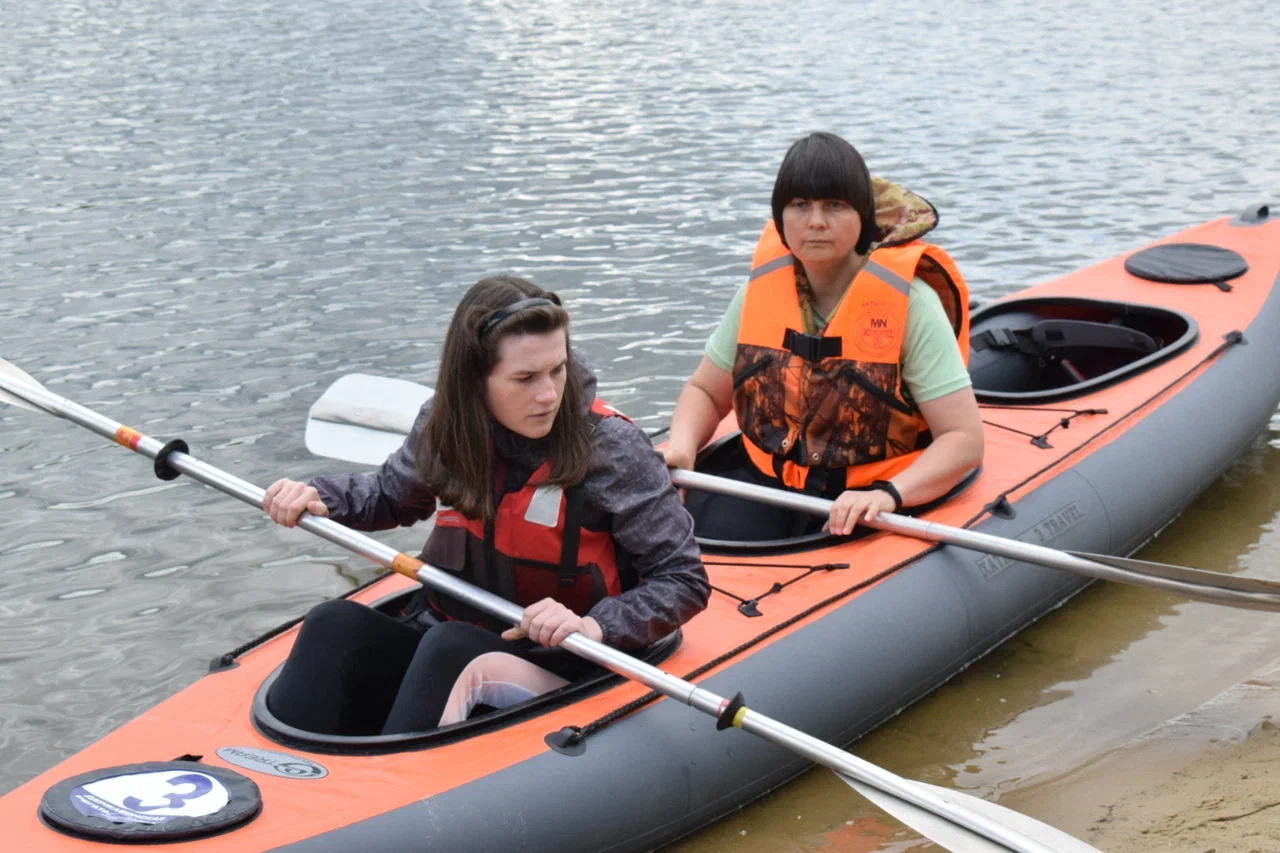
column 1112, row 397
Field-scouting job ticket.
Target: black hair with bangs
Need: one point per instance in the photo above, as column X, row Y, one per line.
column 824, row 166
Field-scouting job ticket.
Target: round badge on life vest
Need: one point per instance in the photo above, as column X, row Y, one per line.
column 876, row 333
column 151, row 802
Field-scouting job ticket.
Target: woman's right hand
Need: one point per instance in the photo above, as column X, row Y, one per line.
column 287, row 499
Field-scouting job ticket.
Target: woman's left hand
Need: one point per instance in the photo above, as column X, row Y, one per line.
column 548, row 622
column 855, row 506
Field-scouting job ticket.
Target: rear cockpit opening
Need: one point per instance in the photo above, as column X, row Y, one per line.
column 1043, row 349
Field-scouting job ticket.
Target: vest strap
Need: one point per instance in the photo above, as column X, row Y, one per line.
column 574, row 498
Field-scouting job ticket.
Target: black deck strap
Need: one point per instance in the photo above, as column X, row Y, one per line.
column 1001, row 339
column 574, row 497
column 620, row 712
column 1233, row 338
column 163, row 470
column 812, row 348
column 1053, row 335
column 1047, row 337
column 725, row 720
column 1187, row 263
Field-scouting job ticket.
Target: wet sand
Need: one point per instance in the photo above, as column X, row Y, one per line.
column 1206, row 781
column 1132, row 719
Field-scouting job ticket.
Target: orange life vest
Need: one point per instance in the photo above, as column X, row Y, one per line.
column 535, row 548
column 836, row 401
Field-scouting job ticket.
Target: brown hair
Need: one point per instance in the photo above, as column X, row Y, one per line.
column 455, row 451
column 821, row 166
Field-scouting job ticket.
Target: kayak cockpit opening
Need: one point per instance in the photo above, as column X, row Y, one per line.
column 482, row 719
column 1044, row 349
column 724, row 524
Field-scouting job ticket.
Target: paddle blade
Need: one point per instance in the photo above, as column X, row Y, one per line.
column 939, row 830
column 1221, row 580
column 19, row 377
column 961, row 840
column 364, row 419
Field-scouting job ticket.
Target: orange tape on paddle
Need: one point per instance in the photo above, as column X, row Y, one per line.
column 406, row 565
column 128, row 437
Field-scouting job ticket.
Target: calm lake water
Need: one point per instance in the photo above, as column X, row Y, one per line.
column 209, row 212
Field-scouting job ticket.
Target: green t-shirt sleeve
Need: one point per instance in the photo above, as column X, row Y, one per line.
column 931, row 363
column 722, row 346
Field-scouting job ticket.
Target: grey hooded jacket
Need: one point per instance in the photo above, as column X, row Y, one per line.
column 627, row 492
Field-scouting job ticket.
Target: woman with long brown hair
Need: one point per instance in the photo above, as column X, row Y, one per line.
column 548, row 497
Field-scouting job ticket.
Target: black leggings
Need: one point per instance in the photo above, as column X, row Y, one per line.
column 355, row 671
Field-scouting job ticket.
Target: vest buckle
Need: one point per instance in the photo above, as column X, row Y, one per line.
column 812, row 348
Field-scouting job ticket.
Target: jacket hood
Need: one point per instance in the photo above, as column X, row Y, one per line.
column 901, row 215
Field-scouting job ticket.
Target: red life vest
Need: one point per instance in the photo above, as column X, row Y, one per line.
column 535, row 547
column 836, row 401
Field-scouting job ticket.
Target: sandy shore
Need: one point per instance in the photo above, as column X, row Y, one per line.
column 1206, row 782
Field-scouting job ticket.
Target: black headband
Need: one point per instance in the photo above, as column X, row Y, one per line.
column 503, row 313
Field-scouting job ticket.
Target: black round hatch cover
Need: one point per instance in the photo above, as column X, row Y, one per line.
column 1187, row 263
column 151, row 802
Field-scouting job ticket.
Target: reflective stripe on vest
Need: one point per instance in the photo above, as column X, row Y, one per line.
column 836, row 401
column 535, row 548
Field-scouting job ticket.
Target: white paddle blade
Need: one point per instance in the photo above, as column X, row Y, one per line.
column 939, row 830
column 364, row 419
column 955, row 838
column 1053, row 838
column 19, row 377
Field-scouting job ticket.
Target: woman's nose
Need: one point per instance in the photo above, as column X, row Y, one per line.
column 546, row 392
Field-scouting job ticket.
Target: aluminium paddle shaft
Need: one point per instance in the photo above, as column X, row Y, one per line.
column 1249, row 593
column 733, row 712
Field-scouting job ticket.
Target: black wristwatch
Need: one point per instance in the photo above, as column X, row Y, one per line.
column 886, row 486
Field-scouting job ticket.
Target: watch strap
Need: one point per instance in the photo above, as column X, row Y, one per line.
column 892, row 490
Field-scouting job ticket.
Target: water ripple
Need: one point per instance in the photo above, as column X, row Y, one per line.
column 200, row 231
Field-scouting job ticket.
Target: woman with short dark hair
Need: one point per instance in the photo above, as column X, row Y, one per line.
column 843, row 356
column 552, row 499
